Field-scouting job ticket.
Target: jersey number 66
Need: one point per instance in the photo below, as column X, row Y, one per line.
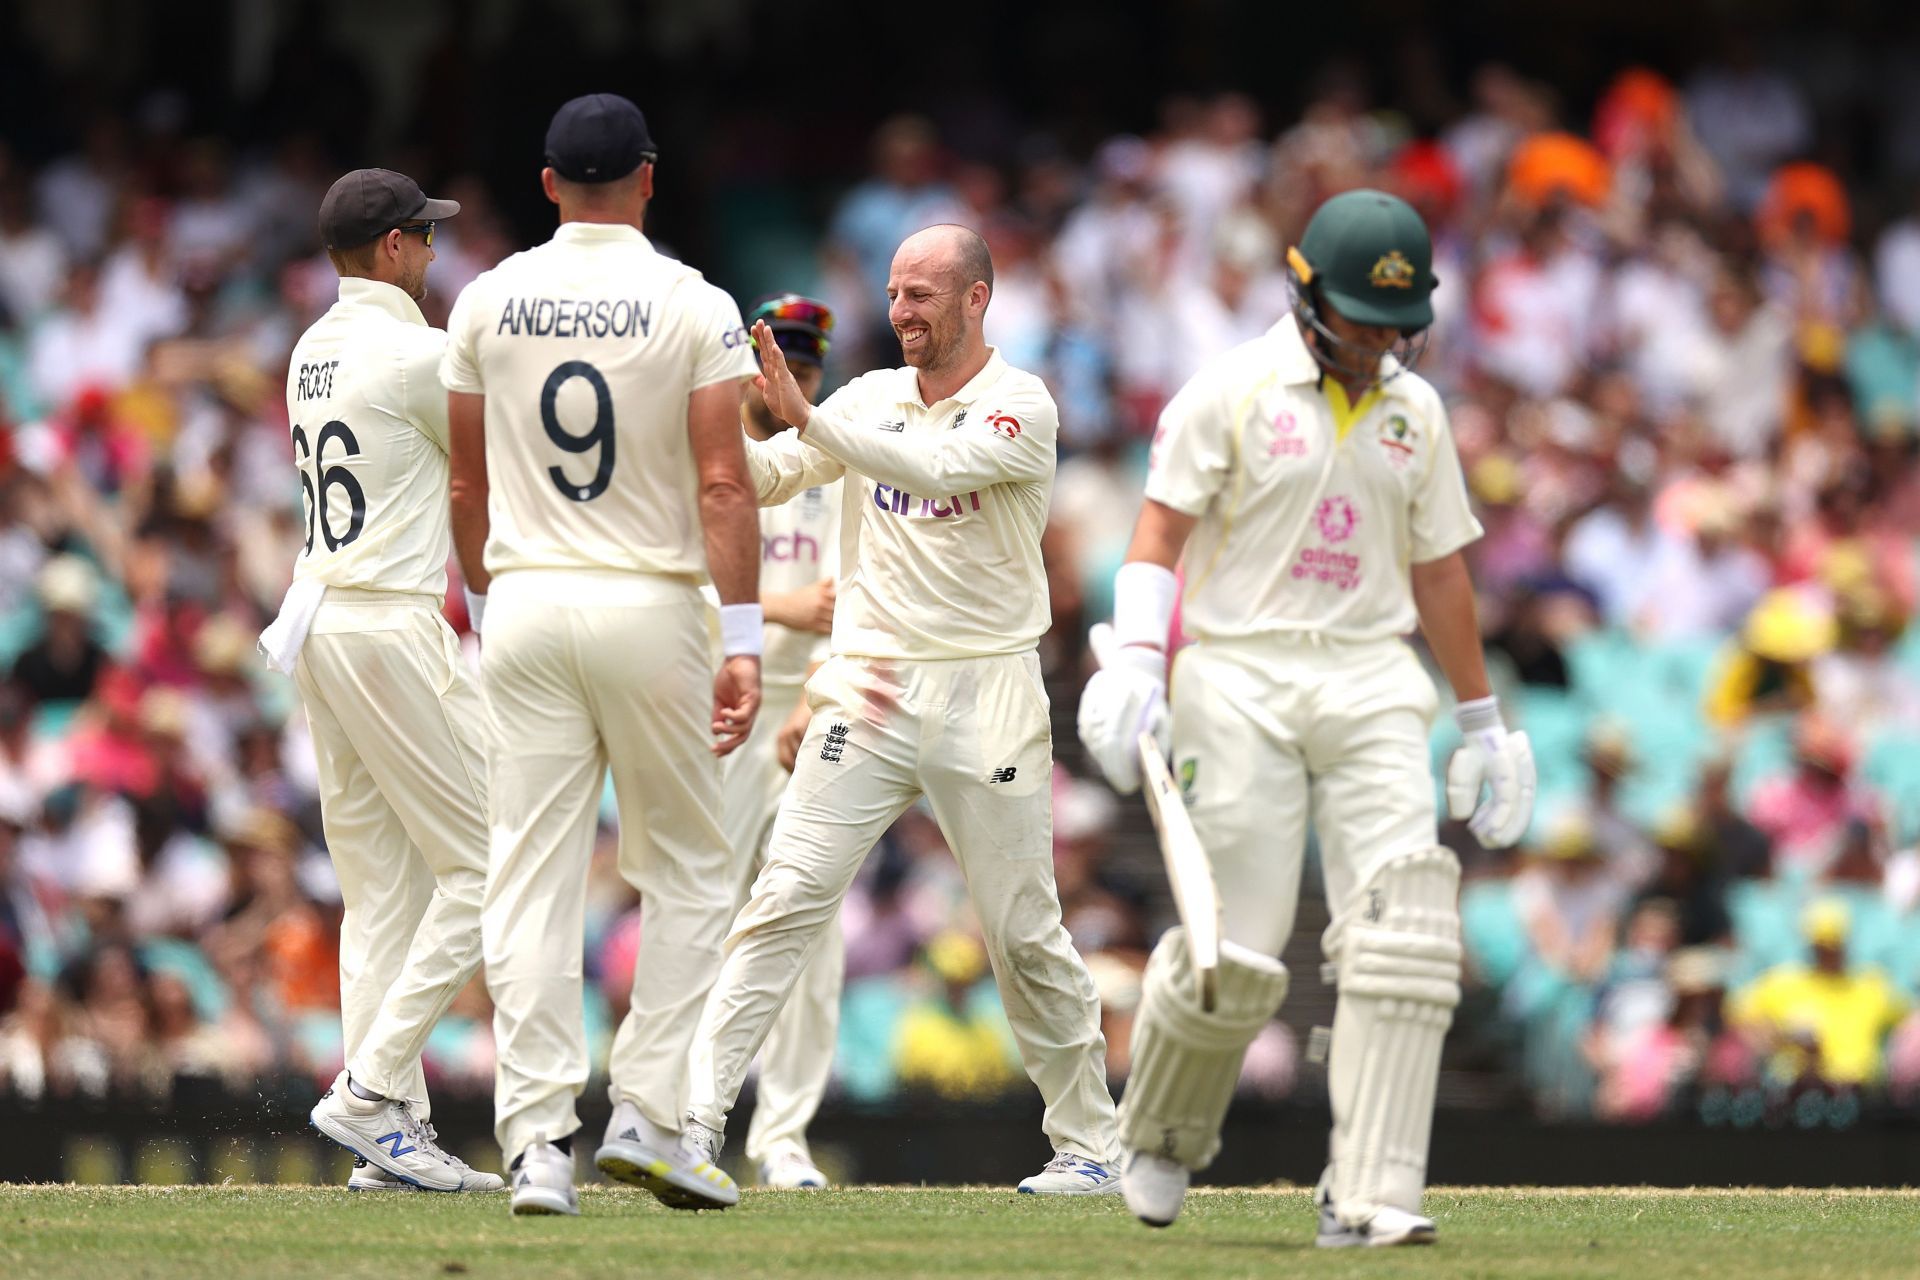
column 325, row 479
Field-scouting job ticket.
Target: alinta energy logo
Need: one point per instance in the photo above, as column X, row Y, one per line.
column 1335, row 517
column 1286, row 436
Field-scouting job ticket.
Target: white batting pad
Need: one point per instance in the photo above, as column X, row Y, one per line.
column 1186, row 1062
column 1397, row 948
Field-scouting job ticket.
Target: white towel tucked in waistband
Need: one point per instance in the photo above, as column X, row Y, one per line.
column 280, row 642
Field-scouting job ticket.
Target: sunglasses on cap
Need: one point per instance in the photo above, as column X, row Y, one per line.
column 802, row 325
column 422, row 229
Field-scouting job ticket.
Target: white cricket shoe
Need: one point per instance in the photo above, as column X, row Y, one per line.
column 677, row 1171
column 387, row 1135
column 543, row 1182
column 708, row 1141
column 791, row 1171
column 1387, row 1227
column 1070, row 1175
column 1154, row 1187
column 371, row 1177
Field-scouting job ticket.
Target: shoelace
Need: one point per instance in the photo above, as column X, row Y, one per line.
column 433, row 1139
column 1067, row 1162
column 701, row 1141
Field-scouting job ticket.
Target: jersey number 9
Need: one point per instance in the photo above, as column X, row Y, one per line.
column 599, row 435
column 325, row 479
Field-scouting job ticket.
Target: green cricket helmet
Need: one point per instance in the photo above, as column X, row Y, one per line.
column 1366, row 255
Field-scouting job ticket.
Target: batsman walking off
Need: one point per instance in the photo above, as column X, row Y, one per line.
column 933, row 688
column 1310, row 479
column 598, row 480
column 399, row 727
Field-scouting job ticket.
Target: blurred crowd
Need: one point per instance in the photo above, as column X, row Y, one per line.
column 1680, row 342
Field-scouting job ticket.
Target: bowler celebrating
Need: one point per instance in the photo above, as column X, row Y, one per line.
column 933, row 688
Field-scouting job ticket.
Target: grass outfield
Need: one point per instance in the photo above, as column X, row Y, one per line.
column 234, row 1232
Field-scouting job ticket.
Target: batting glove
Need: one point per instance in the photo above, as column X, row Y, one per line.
column 1498, row 762
column 1125, row 698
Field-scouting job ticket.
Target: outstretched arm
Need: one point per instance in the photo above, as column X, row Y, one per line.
column 1016, row 446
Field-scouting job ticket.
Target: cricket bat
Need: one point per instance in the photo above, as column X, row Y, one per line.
column 1187, row 868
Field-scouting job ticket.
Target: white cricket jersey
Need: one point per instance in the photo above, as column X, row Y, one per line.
column 587, row 348
column 942, row 510
column 1242, row 447
column 799, row 545
column 369, row 425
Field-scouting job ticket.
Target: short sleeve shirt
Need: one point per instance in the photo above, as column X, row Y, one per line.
column 587, row 349
column 1303, row 525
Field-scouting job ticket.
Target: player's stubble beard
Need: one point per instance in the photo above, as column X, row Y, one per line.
column 946, row 336
column 414, row 283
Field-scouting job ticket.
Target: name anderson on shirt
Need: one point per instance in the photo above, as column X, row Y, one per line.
column 575, row 318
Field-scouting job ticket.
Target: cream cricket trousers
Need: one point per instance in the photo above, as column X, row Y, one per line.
column 971, row 735
column 588, row 671
column 1272, row 734
column 797, row 1059
column 399, row 732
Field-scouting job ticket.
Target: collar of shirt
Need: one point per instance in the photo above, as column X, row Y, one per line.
column 976, row 386
column 599, row 233
column 381, row 296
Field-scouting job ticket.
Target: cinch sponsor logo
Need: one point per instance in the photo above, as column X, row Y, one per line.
column 789, row 546
column 901, row 503
column 575, row 318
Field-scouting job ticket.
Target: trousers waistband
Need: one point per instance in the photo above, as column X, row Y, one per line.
column 361, row 596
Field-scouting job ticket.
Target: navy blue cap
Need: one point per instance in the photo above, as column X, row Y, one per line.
column 367, row 203
column 599, row 138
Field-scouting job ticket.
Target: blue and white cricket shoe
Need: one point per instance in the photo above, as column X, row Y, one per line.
column 1068, row 1174
column 387, row 1135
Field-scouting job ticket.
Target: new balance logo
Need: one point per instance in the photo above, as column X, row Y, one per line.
column 836, row 742
column 1002, row 775
column 392, row 1141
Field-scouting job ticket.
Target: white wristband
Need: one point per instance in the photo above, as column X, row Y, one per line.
column 1478, row 715
column 742, row 627
column 476, row 608
column 1143, row 596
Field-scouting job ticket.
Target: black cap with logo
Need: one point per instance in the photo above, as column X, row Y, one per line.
column 367, row 203
column 599, row 138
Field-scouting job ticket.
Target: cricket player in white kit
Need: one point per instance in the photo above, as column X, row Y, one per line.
column 799, row 558
column 598, row 483
column 1310, row 479
column 933, row 688
column 399, row 727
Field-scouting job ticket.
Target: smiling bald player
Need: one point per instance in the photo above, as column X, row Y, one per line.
column 933, row 688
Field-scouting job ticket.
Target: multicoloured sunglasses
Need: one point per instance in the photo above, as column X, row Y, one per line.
column 802, row 324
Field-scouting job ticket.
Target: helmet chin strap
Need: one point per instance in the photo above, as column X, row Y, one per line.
column 1328, row 349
